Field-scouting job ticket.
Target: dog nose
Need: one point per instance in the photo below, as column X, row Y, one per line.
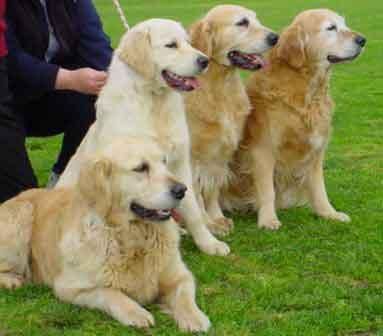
column 203, row 62
column 360, row 40
column 178, row 191
column 272, row 39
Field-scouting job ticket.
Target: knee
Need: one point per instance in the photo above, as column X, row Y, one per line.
column 64, row 293
column 84, row 109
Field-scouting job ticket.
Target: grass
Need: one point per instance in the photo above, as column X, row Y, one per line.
column 313, row 277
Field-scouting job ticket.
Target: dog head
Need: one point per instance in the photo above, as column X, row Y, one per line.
column 319, row 37
column 131, row 177
column 159, row 50
column 233, row 36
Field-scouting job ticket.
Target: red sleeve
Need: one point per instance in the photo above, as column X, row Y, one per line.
column 3, row 48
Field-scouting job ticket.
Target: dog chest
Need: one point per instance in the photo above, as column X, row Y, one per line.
column 142, row 256
column 294, row 142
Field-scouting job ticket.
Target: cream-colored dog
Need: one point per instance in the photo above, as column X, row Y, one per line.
column 280, row 161
column 234, row 39
column 107, row 243
column 152, row 64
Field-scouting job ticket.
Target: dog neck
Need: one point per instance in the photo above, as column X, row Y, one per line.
column 131, row 98
column 126, row 78
column 219, row 74
column 132, row 233
column 310, row 80
column 306, row 88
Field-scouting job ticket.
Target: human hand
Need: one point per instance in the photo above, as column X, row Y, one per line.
column 84, row 80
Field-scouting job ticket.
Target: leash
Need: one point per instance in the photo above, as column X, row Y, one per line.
column 121, row 13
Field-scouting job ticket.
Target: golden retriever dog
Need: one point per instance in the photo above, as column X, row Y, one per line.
column 153, row 64
column 280, row 160
column 234, row 39
column 108, row 242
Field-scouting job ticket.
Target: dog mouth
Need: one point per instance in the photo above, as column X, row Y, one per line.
column 155, row 215
column 180, row 83
column 246, row 61
column 335, row 59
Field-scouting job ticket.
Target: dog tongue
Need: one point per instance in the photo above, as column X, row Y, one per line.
column 193, row 82
column 258, row 60
column 266, row 65
column 176, row 216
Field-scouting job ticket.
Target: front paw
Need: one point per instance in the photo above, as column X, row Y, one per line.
column 11, row 281
column 139, row 317
column 195, row 321
column 221, row 226
column 214, row 246
column 337, row 216
column 270, row 224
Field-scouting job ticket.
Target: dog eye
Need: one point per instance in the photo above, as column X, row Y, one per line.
column 332, row 28
column 142, row 168
column 165, row 160
column 243, row 23
column 172, row 45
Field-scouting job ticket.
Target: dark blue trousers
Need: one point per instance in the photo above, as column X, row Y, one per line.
column 58, row 112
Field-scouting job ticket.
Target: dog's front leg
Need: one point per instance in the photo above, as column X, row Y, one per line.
column 318, row 196
column 111, row 301
column 177, row 298
column 263, row 176
column 219, row 224
column 192, row 214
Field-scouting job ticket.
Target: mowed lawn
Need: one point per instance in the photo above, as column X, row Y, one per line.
column 313, row 277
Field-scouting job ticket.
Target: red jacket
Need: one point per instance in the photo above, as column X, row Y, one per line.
column 3, row 48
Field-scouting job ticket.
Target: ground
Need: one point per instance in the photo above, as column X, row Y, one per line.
column 313, row 277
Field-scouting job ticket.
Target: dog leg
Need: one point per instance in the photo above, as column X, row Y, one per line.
column 193, row 215
column 110, row 301
column 16, row 220
column 219, row 224
column 263, row 176
column 318, row 196
column 177, row 289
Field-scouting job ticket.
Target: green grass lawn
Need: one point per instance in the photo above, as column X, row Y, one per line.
column 313, row 277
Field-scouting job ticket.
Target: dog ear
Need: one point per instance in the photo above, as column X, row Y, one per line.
column 135, row 50
column 95, row 185
column 201, row 34
column 291, row 47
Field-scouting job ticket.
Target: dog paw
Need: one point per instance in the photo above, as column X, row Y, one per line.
column 194, row 322
column 338, row 216
column 273, row 224
column 215, row 247
column 11, row 281
column 183, row 232
column 139, row 318
column 221, row 226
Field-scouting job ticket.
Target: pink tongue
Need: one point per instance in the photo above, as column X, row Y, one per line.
column 266, row 64
column 193, row 82
column 259, row 60
column 176, row 216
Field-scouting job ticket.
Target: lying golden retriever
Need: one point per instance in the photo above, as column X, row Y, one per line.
column 109, row 242
column 152, row 65
column 234, row 39
column 280, row 161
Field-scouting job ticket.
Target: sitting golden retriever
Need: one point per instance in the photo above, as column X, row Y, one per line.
column 234, row 39
column 280, row 161
column 107, row 243
column 153, row 64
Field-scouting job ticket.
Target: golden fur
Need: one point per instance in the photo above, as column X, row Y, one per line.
column 89, row 246
column 280, row 160
column 137, row 100
column 218, row 110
